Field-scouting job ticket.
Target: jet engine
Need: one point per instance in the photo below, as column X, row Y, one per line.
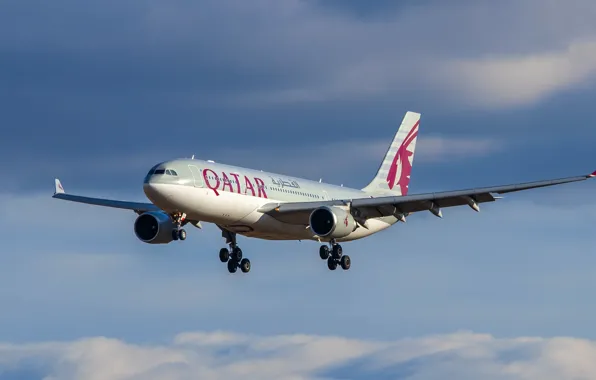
column 332, row 222
column 154, row 228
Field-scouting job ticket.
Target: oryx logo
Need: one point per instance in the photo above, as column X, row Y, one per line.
column 346, row 221
column 402, row 161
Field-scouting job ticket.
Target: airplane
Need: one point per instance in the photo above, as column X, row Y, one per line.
column 271, row 206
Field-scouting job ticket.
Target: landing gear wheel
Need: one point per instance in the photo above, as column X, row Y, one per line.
column 224, row 255
column 236, row 254
column 331, row 263
column 345, row 262
column 324, row 252
column 175, row 234
column 337, row 251
column 232, row 266
column 245, row 265
column 182, row 234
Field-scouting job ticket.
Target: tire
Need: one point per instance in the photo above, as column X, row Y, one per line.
column 232, row 266
column 324, row 252
column 245, row 265
column 175, row 234
column 345, row 262
column 337, row 251
column 182, row 234
column 224, row 255
column 237, row 254
column 331, row 263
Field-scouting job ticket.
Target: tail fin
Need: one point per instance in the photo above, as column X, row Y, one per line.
column 393, row 176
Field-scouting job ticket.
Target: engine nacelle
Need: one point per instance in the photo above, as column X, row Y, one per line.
column 332, row 222
column 154, row 228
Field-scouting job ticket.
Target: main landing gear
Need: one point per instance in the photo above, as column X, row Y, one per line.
column 334, row 256
column 179, row 233
column 233, row 256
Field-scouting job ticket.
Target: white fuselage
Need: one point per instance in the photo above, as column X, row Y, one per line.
column 231, row 196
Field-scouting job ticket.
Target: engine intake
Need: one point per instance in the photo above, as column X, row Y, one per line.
column 154, row 228
column 332, row 222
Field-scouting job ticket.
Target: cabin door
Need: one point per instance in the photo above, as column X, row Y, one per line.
column 197, row 175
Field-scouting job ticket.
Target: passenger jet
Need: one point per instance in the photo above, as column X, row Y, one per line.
column 272, row 206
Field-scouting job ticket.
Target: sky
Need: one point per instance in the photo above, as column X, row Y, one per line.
column 97, row 93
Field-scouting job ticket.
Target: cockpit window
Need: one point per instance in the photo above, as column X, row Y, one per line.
column 162, row 171
column 151, row 172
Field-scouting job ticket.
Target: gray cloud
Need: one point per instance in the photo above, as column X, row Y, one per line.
column 353, row 163
column 527, row 78
column 278, row 51
column 223, row 355
column 144, row 80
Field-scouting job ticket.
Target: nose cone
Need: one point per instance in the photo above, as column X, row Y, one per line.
column 162, row 181
column 157, row 193
column 150, row 190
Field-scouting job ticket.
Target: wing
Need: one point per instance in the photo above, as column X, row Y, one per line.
column 137, row 207
column 401, row 206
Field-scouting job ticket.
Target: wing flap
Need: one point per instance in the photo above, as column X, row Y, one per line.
column 375, row 207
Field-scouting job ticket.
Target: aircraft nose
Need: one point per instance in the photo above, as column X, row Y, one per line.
column 150, row 190
column 156, row 192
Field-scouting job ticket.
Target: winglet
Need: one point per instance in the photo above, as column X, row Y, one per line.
column 58, row 189
column 592, row 175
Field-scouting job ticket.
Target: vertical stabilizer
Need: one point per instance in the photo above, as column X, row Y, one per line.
column 393, row 176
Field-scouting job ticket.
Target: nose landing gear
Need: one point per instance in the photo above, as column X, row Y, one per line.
column 179, row 233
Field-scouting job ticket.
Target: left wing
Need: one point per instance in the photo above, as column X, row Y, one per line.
column 401, row 206
column 137, row 207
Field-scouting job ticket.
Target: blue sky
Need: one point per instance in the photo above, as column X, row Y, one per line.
column 97, row 93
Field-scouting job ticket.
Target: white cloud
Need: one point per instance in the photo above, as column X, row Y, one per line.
column 343, row 158
column 225, row 355
column 428, row 149
column 483, row 54
column 441, row 149
column 511, row 80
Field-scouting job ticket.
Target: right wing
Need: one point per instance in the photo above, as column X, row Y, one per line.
column 137, row 207
column 401, row 206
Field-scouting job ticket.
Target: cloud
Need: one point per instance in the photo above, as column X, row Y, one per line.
column 202, row 77
column 74, row 270
column 524, row 79
column 340, row 160
column 267, row 52
column 224, row 355
column 98, row 106
column 339, row 56
column 439, row 149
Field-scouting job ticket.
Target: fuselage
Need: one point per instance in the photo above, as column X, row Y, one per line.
column 231, row 196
